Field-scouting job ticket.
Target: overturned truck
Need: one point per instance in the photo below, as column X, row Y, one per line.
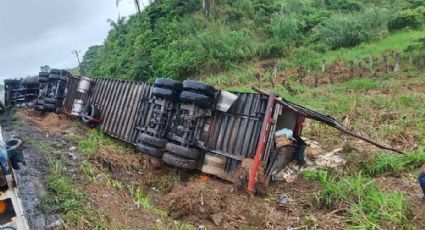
column 193, row 126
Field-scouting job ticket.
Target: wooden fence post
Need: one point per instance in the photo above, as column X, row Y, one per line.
column 422, row 58
column 361, row 68
column 351, row 74
column 396, row 62
column 372, row 67
column 258, row 76
column 385, row 61
column 301, row 74
column 410, row 60
column 271, row 79
column 331, row 76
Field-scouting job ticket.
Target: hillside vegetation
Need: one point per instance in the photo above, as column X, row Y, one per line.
column 268, row 43
column 175, row 38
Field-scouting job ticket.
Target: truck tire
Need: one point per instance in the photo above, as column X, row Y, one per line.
column 90, row 111
column 199, row 87
column 56, row 71
column 164, row 93
column 178, row 162
column 42, row 79
column 11, row 81
column 152, row 151
column 39, row 107
column 188, row 153
column 168, row 84
column 43, row 74
column 153, row 141
column 54, row 76
column 50, row 107
column 39, row 102
column 196, row 98
column 53, row 101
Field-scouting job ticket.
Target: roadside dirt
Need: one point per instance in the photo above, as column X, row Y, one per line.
column 188, row 197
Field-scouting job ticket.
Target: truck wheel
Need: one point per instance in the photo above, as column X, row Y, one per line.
column 90, row 111
column 168, row 84
column 199, row 87
column 54, row 76
column 56, row 71
column 164, row 93
column 39, row 107
column 39, row 102
column 178, row 162
column 55, row 101
column 152, row 151
column 42, row 79
column 50, row 107
column 196, row 98
column 11, row 81
column 43, row 74
column 153, row 141
column 189, row 153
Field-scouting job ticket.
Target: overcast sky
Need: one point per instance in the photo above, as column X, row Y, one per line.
column 34, row 33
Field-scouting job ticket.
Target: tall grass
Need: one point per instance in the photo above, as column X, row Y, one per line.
column 397, row 42
column 394, row 164
column 366, row 205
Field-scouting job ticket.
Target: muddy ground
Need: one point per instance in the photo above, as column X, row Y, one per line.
column 176, row 199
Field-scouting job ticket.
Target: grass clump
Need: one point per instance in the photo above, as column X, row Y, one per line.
column 89, row 171
column 93, row 142
column 366, row 205
column 396, row 164
column 64, row 196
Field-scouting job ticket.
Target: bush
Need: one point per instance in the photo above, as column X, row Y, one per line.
column 404, row 19
column 285, row 32
column 353, row 29
column 210, row 50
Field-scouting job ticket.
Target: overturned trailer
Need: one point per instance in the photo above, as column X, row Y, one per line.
column 230, row 133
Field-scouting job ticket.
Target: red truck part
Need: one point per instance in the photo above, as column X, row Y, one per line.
column 265, row 129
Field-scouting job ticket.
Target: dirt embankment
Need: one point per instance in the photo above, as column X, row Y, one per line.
column 129, row 190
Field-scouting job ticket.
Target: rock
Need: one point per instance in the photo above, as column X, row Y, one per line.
column 283, row 199
column 72, row 156
column 202, row 227
column 217, row 218
column 57, row 225
column 72, row 148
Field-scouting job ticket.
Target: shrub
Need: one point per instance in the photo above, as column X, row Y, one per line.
column 209, row 50
column 285, row 32
column 353, row 29
column 404, row 19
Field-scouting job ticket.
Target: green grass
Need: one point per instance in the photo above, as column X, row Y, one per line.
column 93, row 142
column 395, row 164
column 89, row 171
column 367, row 206
column 395, row 42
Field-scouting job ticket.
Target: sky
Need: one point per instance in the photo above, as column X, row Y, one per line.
column 35, row 33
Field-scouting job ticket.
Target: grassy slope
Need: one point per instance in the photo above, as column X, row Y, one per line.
column 395, row 42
